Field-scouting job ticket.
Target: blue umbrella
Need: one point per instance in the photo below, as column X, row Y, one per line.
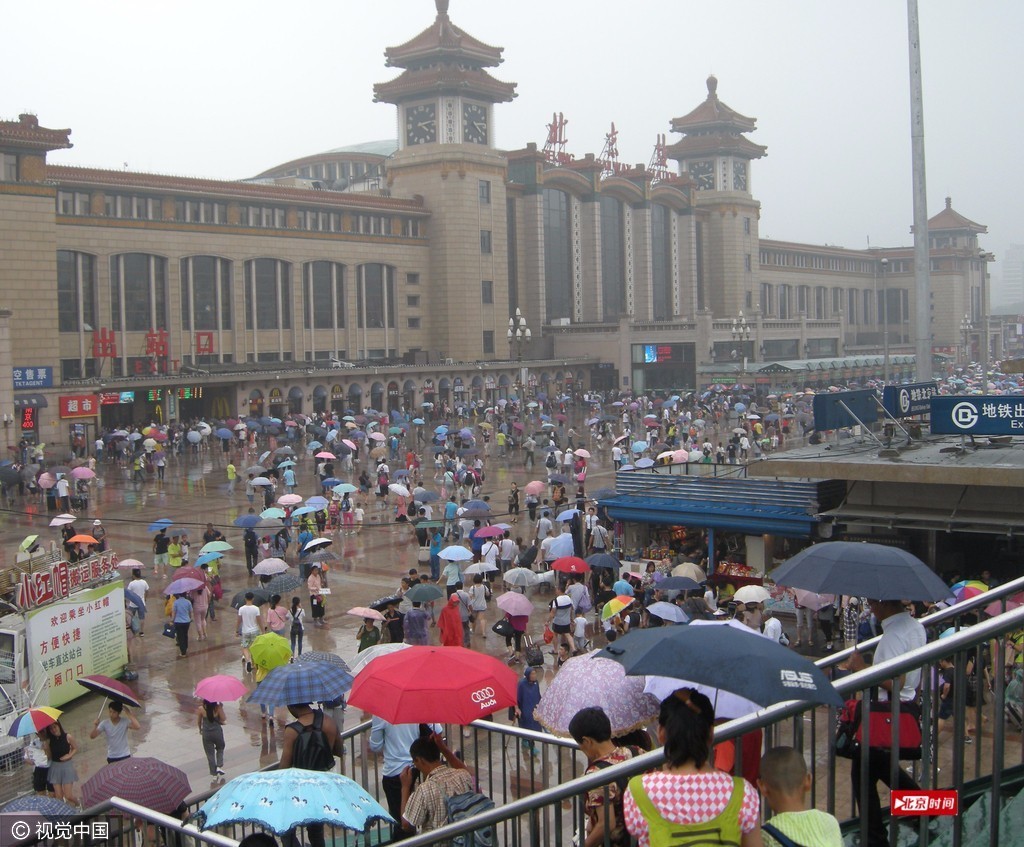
column 677, row 583
column 224, row 433
column 428, row 497
column 313, row 445
column 48, row 807
column 331, row 481
column 562, row 546
column 558, row 478
column 639, row 446
column 304, row 510
column 157, row 525
column 317, row 502
column 604, row 560
column 645, row 463
column 246, row 521
column 282, row 800
column 441, row 430
column 567, row 514
column 206, row 558
column 455, row 553
column 476, row 509
column 136, row 601
column 709, row 655
column 291, row 684
column 418, row 421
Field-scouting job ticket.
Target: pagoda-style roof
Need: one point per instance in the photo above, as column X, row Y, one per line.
column 727, row 144
column 444, row 79
column 713, row 115
column 443, row 41
column 26, row 134
column 950, row 219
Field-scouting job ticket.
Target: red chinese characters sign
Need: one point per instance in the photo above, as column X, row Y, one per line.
column 63, row 579
column 79, row 406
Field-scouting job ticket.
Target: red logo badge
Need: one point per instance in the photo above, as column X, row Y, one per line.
column 924, row 802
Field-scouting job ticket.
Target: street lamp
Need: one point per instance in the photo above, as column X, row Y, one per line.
column 984, row 341
column 518, row 333
column 885, row 324
column 741, row 331
column 965, row 327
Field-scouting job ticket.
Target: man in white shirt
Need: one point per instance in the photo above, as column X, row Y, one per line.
column 138, row 586
column 64, row 493
column 250, row 624
column 507, row 552
column 598, row 539
column 489, row 552
column 544, row 525
column 617, row 456
column 545, row 550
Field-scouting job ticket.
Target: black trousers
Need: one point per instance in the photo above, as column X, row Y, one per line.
column 392, row 786
column 181, row 636
column 879, row 767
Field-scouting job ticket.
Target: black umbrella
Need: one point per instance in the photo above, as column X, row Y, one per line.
column 9, row 476
column 260, row 596
column 862, row 570
column 677, row 583
column 730, row 657
column 604, row 560
column 382, row 603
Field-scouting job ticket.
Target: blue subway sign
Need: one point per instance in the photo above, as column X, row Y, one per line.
column 985, row 415
column 903, row 401
column 828, row 414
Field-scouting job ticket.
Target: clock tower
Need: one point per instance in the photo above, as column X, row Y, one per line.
column 716, row 154
column 445, row 99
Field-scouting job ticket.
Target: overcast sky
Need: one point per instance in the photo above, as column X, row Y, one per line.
column 226, row 89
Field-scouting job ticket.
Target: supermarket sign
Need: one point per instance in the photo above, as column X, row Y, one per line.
column 79, row 406
column 985, row 415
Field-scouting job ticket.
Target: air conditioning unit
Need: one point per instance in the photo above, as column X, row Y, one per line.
column 560, row 321
column 449, row 361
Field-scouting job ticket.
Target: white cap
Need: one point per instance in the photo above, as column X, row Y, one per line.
column 97, row 522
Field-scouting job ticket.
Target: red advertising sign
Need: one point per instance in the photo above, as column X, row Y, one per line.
column 28, row 418
column 62, row 579
column 79, row 406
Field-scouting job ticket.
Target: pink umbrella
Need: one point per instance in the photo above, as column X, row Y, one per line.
column 365, row 612
column 377, row 436
column 323, row 454
column 46, row 480
column 130, row 563
column 583, row 453
column 515, row 604
column 996, row 608
column 270, row 566
column 220, row 688
column 82, row 473
column 158, row 436
column 289, row 499
column 350, row 444
column 535, row 487
column 517, row 426
column 490, row 532
column 810, row 600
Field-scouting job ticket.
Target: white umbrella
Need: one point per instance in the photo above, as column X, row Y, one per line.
column 480, row 567
column 62, row 520
column 752, row 594
column 269, row 567
column 399, row 490
column 455, row 553
column 370, row 653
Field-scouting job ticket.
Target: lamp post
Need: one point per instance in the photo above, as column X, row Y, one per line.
column 984, row 340
column 518, row 333
column 965, row 327
column 741, row 333
column 885, row 324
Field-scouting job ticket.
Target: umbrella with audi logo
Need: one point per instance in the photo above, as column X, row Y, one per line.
column 434, row 685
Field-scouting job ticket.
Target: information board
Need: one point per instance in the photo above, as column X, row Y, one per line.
column 985, row 415
column 903, row 401
column 829, row 414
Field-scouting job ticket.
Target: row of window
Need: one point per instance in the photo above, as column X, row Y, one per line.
column 790, row 259
column 863, row 306
column 139, row 293
column 150, row 208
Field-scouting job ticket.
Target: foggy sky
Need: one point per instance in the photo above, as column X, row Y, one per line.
column 227, row 89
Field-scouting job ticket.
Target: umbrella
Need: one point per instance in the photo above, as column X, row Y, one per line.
column 258, row 470
column 301, row 682
column 224, row 433
column 130, row 563
column 34, row 720
column 645, row 463
column 455, row 553
column 668, row 612
column 583, row 453
column 48, row 807
column 710, row 654
column 862, row 570
column 570, row 564
column 136, row 601
column 968, row 588
column 184, row 586
column 615, row 605
column 27, row 542
column 317, row 542
column 215, row 547
column 567, row 514
column 678, row 583
column 62, row 520
column 109, row 688
column 370, row 653
column 259, row 597
column 588, row 680
column 81, row 538
column 324, row 454
column 364, row 613
column 476, row 509
column 316, row 503
column 515, row 604
column 220, row 688
column 317, row 656
column 534, row 487
column 807, row 599
column 489, row 532
column 283, row 583
column 558, row 479
column 520, row 576
column 148, row 782
column 273, row 512
column 83, row 473
column 481, row 567
column 345, row 488
column 157, row 525
column 603, row 560
column 424, row 593
column 304, row 510
column 434, row 685
column 206, row 558
column 247, row 521
column 289, row 499
column 323, row 556
column 752, row 594
column 689, row 569
column 270, row 566
column 399, row 490
column 427, row 497
column 193, row 436
column 300, row 798
column 270, row 651
column 46, row 480
column 260, row 480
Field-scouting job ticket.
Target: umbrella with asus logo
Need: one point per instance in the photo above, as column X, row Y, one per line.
column 726, row 656
column 434, row 685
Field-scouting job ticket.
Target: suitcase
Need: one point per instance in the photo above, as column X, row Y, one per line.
column 532, row 652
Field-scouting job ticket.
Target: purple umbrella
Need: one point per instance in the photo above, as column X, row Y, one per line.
column 183, row 586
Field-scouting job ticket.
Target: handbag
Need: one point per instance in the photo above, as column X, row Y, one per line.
column 169, row 630
column 423, row 555
column 503, row 628
column 849, row 729
column 549, row 635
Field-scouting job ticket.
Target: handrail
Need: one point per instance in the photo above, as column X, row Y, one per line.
column 167, row 822
column 866, row 678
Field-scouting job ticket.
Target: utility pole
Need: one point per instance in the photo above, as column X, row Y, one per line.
column 922, row 312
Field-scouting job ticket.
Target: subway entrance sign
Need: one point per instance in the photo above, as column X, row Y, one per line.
column 985, row 415
column 902, row 401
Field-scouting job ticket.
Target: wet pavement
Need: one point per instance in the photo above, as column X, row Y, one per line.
column 194, row 493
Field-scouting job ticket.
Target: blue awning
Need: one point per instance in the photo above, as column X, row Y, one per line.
column 732, row 517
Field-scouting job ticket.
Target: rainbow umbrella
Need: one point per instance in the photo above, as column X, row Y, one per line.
column 968, row 588
column 33, row 720
column 615, row 605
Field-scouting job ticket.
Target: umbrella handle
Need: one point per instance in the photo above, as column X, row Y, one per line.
column 102, row 706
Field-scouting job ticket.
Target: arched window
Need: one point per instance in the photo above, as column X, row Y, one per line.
column 76, row 291
column 324, row 295
column 205, row 293
column 138, row 292
column 295, row 400
column 375, row 296
column 557, row 254
column 268, row 301
column 377, row 396
column 319, row 398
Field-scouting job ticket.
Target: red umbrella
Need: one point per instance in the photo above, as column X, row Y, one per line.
column 535, row 487
column 490, row 532
column 434, row 685
column 191, row 573
column 148, row 782
column 109, row 688
column 570, row 564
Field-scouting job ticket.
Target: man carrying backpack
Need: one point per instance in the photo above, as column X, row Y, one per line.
column 311, row 742
column 426, row 807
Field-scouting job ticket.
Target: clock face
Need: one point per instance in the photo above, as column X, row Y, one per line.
column 474, row 123
column 739, row 176
column 421, row 124
column 703, row 174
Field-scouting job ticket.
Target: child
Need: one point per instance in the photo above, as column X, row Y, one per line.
column 185, row 545
column 579, row 633
column 360, row 512
column 784, row 783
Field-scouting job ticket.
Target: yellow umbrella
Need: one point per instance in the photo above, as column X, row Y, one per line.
column 270, row 651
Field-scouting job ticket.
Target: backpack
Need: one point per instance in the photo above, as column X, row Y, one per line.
column 311, row 750
column 586, row 604
column 551, row 461
column 467, row 805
